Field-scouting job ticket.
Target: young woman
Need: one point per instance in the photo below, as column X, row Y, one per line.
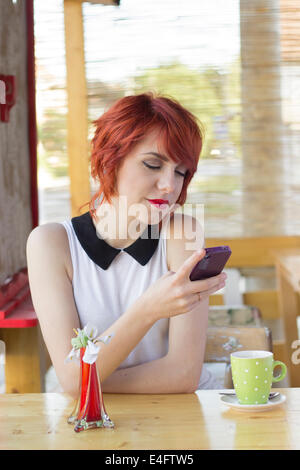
column 125, row 269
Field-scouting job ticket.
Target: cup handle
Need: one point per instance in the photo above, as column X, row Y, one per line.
column 283, row 371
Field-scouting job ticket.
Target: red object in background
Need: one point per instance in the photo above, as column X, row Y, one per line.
column 10, row 96
column 10, row 99
column 89, row 411
column 16, row 308
column 32, row 126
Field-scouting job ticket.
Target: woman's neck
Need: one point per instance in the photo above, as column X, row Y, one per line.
column 117, row 228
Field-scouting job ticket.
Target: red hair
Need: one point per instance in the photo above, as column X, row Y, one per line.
column 126, row 123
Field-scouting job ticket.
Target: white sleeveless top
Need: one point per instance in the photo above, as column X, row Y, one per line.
column 103, row 295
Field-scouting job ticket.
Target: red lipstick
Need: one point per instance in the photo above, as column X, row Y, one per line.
column 158, row 201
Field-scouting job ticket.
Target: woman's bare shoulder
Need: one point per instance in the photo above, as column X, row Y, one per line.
column 51, row 232
column 54, row 238
column 184, row 237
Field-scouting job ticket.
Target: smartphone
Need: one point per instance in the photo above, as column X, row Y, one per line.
column 212, row 264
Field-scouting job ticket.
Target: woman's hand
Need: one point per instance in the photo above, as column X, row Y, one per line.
column 174, row 293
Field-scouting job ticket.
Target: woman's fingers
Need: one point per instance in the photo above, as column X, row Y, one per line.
column 199, row 296
column 206, row 284
column 183, row 274
column 207, row 293
column 185, row 270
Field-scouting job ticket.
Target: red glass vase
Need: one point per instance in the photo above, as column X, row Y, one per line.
column 89, row 411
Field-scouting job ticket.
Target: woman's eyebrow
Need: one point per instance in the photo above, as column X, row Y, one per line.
column 162, row 157
column 159, row 155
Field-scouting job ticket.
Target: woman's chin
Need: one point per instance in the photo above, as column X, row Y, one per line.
column 155, row 217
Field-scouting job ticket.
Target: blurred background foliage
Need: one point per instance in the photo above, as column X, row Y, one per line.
column 237, row 68
column 213, row 97
column 206, row 93
column 52, row 136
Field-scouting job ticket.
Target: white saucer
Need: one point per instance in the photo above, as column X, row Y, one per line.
column 232, row 401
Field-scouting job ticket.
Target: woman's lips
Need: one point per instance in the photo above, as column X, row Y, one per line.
column 158, row 202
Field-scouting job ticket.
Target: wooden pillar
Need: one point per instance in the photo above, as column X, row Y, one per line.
column 288, row 299
column 24, row 360
column 263, row 173
column 77, row 121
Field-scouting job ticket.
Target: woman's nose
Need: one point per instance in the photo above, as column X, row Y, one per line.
column 166, row 182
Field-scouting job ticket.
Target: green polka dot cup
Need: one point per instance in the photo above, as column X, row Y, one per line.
column 252, row 374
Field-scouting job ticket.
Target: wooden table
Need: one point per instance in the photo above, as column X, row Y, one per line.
column 185, row 421
column 288, row 280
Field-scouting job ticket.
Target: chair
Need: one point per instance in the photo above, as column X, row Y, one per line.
column 223, row 340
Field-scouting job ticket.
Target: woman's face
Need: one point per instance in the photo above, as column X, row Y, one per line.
column 149, row 174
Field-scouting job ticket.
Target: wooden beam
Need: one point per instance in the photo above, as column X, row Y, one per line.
column 265, row 300
column 100, row 2
column 289, row 308
column 77, row 121
column 104, row 2
column 24, row 370
column 279, row 350
column 258, row 252
column 216, row 299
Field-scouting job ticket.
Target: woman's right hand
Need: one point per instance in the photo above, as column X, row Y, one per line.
column 174, row 293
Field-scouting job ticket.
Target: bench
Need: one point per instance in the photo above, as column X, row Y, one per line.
column 25, row 352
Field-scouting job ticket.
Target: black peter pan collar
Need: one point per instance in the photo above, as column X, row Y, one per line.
column 102, row 253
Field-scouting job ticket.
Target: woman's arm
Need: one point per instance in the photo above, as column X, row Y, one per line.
column 179, row 371
column 158, row 376
column 53, row 300
column 187, row 333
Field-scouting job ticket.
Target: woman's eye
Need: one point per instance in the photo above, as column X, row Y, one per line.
column 151, row 166
column 181, row 174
